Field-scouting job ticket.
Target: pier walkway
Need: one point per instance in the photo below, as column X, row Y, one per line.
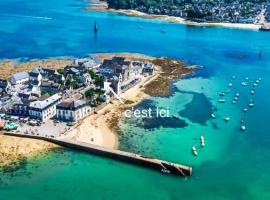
column 161, row 165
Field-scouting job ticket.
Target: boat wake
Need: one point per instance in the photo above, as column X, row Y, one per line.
column 28, row 16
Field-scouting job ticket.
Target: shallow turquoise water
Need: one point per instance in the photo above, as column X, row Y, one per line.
column 232, row 165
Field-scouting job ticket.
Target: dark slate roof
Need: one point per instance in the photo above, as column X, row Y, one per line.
column 33, row 74
column 3, row 83
column 71, row 105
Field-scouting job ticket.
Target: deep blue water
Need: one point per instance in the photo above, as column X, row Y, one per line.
column 233, row 165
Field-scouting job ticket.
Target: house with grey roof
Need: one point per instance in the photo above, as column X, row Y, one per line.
column 72, row 110
column 20, row 78
column 44, row 108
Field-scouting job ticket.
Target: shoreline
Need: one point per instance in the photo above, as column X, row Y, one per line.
column 103, row 7
column 14, row 151
column 101, row 128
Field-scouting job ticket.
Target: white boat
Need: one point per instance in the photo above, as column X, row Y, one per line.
column 226, row 119
column 222, row 100
column 194, row 151
column 246, row 78
column 202, row 144
column 202, row 138
column 235, row 98
column 252, row 92
column 251, row 104
column 237, row 94
column 244, row 83
column 233, row 77
column 257, row 81
column 243, row 128
column 234, row 102
column 213, row 115
column 230, row 85
column 245, row 110
column 255, row 84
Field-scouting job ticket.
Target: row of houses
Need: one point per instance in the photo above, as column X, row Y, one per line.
column 122, row 72
column 41, row 93
column 44, row 94
column 53, row 107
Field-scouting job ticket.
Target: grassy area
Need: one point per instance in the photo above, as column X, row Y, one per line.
column 8, row 67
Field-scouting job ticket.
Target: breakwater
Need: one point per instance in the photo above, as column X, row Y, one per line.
column 153, row 163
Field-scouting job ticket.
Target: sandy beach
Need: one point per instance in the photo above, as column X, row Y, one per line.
column 103, row 7
column 14, row 150
column 101, row 128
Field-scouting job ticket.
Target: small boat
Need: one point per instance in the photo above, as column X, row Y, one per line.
column 259, row 78
column 165, row 171
column 252, row 92
column 245, row 110
column 202, row 144
column 194, row 151
column 213, row 115
column 257, row 81
column 241, row 121
column 255, row 84
column 251, row 104
column 222, row 94
column 95, row 27
column 233, row 77
column 246, row 78
column 226, row 119
column 202, row 138
column 234, row 102
column 244, row 83
column 235, row 98
column 243, row 128
column 202, row 141
column 230, row 85
column 222, row 100
column 237, row 94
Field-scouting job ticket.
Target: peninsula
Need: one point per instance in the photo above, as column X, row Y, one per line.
column 75, row 100
column 248, row 14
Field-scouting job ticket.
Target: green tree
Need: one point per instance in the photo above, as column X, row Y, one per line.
column 89, row 93
column 61, row 71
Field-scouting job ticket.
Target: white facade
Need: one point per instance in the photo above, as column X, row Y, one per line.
column 44, row 109
column 72, row 110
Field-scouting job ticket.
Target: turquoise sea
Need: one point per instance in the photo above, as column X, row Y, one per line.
column 233, row 164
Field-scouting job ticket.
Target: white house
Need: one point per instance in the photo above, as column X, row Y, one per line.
column 72, row 110
column 45, row 108
column 20, row 78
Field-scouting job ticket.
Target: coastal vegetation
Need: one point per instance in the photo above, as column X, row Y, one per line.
column 9, row 67
column 170, row 71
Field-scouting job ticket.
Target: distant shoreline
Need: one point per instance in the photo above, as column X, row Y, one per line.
column 103, row 7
